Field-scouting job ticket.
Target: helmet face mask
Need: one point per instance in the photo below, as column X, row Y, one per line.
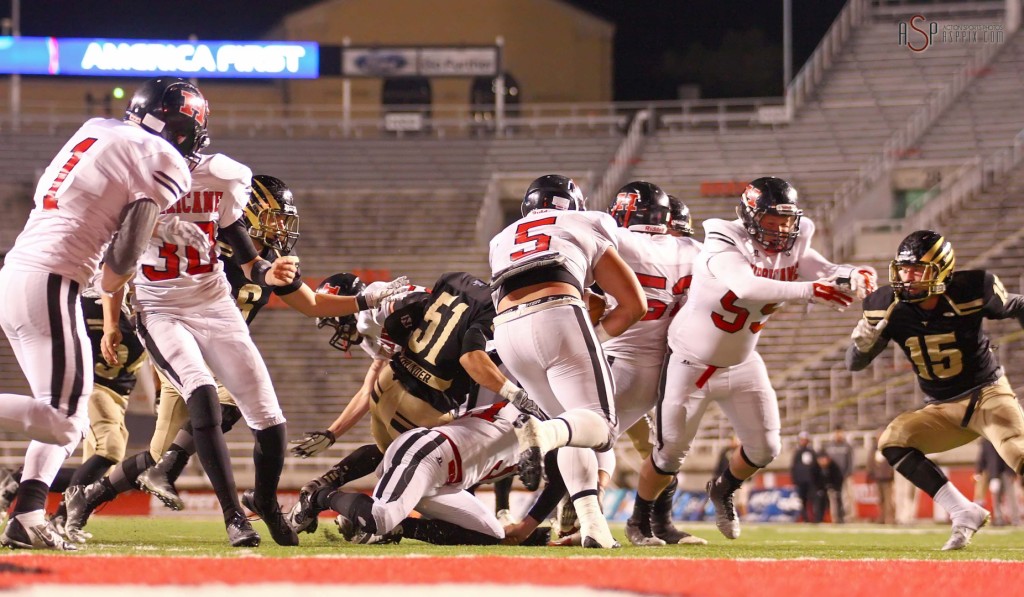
column 175, row 110
column 271, row 214
column 923, row 263
column 346, row 332
column 642, row 207
column 770, row 196
column 553, row 191
column 681, row 223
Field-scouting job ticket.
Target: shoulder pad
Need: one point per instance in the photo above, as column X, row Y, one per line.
column 969, row 290
column 878, row 303
column 225, row 168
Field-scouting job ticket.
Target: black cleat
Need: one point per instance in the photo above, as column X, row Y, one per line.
column 240, row 532
column 531, row 457
column 726, row 519
column 276, row 522
column 155, row 481
column 639, row 533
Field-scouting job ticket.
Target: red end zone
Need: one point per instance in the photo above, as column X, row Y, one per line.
column 794, row 578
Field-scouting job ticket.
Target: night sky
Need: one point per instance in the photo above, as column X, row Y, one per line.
column 730, row 48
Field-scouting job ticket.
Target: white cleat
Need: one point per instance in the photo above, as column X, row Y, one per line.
column 964, row 527
column 593, row 525
column 23, row 532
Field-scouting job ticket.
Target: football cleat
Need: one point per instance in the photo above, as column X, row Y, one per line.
column 531, row 434
column 726, row 518
column 271, row 514
column 592, row 543
column 964, row 527
column 8, row 489
column 80, row 501
column 58, row 526
column 303, row 517
column 25, row 535
column 354, row 533
column 155, row 481
column 505, row 518
column 240, row 532
column 639, row 533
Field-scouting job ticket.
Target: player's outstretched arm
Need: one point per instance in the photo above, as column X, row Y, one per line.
column 313, row 304
column 616, row 278
column 355, row 410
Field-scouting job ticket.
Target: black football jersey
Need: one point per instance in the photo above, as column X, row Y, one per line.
column 130, row 354
column 458, row 318
column 250, row 296
column 950, row 352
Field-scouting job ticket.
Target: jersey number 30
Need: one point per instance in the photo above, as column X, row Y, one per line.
column 193, row 264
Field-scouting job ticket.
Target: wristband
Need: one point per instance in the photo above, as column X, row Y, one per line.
column 361, row 302
column 259, row 271
column 508, row 390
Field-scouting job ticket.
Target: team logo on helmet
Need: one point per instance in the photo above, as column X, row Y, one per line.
column 750, row 196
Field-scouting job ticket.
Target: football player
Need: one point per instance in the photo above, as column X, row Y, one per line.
column 439, row 354
column 111, row 176
column 663, row 264
column 746, row 268
column 540, row 265
column 180, row 289
column 935, row 316
column 430, row 470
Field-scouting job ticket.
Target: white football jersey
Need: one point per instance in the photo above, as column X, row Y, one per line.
column 485, row 445
column 581, row 237
column 79, row 199
column 172, row 277
column 370, row 323
column 663, row 263
column 717, row 328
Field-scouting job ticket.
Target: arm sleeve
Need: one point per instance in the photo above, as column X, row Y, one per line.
column 734, row 271
column 857, row 360
column 131, row 238
column 477, row 335
column 237, row 237
column 1001, row 304
column 814, row 266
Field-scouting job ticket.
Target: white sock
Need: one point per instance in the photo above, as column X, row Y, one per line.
column 951, row 500
column 31, row 518
column 579, row 469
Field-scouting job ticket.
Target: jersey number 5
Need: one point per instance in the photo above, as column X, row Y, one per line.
column 50, row 199
column 523, row 236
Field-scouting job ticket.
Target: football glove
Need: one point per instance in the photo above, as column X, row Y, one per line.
column 369, row 299
column 828, row 291
column 858, row 281
column 179, row 232
column 314, row 443
column 865, row 335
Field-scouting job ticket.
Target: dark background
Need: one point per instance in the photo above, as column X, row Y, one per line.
column 730, row 48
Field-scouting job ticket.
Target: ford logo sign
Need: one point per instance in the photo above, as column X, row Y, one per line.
column 381, row 63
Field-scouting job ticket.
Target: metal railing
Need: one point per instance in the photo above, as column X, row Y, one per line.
column 625, row 155
column 805, row 81
column 897, row 145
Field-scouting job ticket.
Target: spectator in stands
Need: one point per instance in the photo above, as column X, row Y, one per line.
column 881, row 473
column 999, row 479
column 830, row 488
column 806, row 477
column 841, row 453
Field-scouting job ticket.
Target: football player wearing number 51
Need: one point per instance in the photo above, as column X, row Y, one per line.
column 746, row 268
column 107, row 184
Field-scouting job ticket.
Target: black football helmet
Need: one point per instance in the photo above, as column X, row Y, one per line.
column 271, row 214
column 643, row 207
column 929, row 251
column 770, row 196
column 681, row 221
column 553, row 191
column 174, row 109
column 345, row 333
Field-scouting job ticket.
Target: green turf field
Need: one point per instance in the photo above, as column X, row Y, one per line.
column 195, row 537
